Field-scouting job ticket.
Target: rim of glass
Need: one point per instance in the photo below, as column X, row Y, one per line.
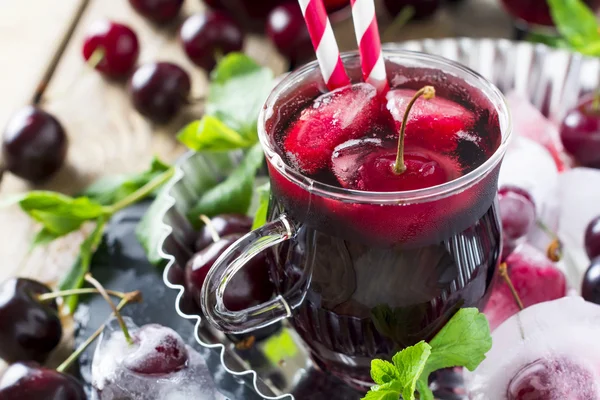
column 410, row 196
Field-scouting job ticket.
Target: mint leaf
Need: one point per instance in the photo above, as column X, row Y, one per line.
column 234, row 194
column 577, row 24
column 410, row 364
column 149, row 230
column 387, row 391
column 43, row 237
column 238, row 90
column 110, row 190
column 58, row 214
column 76, row 276
column 383, row 372
column 210, row 134
column 423, row 388
column 260, row 217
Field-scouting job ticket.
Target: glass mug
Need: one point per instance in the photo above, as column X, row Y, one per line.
column 362, row 275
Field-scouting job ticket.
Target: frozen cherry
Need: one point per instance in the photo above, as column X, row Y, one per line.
column 422, row 8
column 117, row 46
column 517, row 213
column 287, row 30
column 592, row 238
column 29, row 330
column 249, row 287
column 209, row 35
column 223, row 225
column 34, row 145
column 23, row 381
column 590, row 287
column 160, row 351
column 580, row 133
column 157, row 10
column 552, row 378
column 159, row 90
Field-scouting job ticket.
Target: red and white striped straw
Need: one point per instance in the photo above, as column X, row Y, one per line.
column 369, row 43
column 323, row 40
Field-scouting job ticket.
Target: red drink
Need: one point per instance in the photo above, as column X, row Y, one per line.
column 368, row 273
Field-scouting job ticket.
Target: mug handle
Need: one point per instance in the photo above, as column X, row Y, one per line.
column 234, row 259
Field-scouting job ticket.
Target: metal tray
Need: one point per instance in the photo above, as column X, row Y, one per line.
column 552, row 79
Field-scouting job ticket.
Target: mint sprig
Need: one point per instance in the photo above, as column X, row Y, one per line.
column 462, row 342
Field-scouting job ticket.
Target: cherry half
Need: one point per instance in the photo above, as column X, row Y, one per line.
column 29, row 330
column 580, row 132
column 34, row 145
column 392, row 170
column 249, row 287
column 159, row 11
column 159, row 90
column 160, row 351
column 23, row 381
column 592, row 238
column 210, row 35
column 114, row 46
column 222, row 225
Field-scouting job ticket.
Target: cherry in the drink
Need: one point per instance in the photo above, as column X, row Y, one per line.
column 384, row 274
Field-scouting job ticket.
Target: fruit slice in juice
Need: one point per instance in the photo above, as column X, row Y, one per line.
column 333, row 118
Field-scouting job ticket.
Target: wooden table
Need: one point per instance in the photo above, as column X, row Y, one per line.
column 106, row 135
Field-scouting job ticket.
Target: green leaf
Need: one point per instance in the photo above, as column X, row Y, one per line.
column 577, row 23
column 279, row 347
column 238, row 90
column 548, row 40
column 76, row 276
column 387, row 391
column 110, row 190
column 423, row 387
column 234, row 194
column 463, row 341
column 210, row 134
column 149, row 230
column 42, row 238
column 410, row 364
column 59, row 214
column 260, row 217
column 383, row 372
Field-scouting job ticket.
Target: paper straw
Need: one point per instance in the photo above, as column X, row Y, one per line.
column 323, row 40
column 369, row 44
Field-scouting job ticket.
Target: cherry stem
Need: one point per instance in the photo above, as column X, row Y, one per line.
column 96, row 57
column 596, row 101
column 555, row 249
column 142, row 192
column 504, row 274
column 211, row 228
column 97, row 285
column 129, row 297
column 428, row 92
column 64, row 293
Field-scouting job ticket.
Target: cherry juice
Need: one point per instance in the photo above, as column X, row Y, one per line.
column 386, row 264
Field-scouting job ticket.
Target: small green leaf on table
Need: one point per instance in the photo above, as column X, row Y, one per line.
column 238, row 90
column 112, row 189
column 234, row 194
column 149, row 231
column 210, row 134
column 81, row 266
column 578, row 24
column 260, row 217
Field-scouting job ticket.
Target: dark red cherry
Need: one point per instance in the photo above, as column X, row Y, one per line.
column 224, row 224
column 287, row 30
column 590, row 287
column 422, row 8
column 592, row 238
column 29, row 330
column 160, row 351
column 34, row 145
column 160, row 11
column 28, row 381
column 517, row 213
column 209, row 35
column 119, row 45
column 249, row 287
column 214, row 4
column 159, row 90
column 580, row 133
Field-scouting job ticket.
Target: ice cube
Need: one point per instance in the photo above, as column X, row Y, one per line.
column 112, row 377
column 551, row 348
column 535, row 278
column 437, row 123
column 579, row 203
column 334, row 117
column 530, row 123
